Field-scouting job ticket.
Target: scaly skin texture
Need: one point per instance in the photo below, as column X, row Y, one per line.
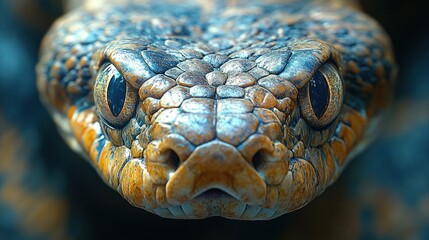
column 245, row 111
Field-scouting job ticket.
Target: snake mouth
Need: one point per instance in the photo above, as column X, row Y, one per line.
column 215, row 178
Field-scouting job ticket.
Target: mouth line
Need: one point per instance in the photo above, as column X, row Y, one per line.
column 217, row 203
column 214, row 194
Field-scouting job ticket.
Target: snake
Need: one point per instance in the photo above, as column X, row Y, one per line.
column 243, row 110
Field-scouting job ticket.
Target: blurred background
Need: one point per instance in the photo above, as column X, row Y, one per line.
column 48, row 192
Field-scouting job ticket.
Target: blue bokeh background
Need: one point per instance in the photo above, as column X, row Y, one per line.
column 383, row 194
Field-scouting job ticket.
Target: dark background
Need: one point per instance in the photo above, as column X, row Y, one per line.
column 383, row 194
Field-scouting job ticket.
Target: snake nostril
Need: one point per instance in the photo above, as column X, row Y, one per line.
column 258, row 159
column 173, row 159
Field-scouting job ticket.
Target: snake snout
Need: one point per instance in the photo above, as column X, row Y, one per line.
column 232, row 165
column 216, row 166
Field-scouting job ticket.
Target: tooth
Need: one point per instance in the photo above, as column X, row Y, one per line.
column 183, row 210
column 177, row 211
column 278, row 214
column 250, row 212
column 163, row 212
column 265, row 214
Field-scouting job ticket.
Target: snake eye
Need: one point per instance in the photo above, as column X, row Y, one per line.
column 115, row 98
column 321, row 98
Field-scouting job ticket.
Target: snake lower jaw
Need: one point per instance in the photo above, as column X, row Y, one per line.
column 214, row 203
column 217, row 203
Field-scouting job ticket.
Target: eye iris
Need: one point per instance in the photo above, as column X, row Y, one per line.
column 116, row 93
column 319, row 94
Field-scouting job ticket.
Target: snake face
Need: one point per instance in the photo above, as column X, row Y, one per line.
column 218, row 135
column 191, row 122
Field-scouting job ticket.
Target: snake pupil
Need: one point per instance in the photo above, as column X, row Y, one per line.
column 116, row 93
column 319, row 94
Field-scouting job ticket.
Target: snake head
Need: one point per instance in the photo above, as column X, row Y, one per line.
column 238, row 138
column 246, row 117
